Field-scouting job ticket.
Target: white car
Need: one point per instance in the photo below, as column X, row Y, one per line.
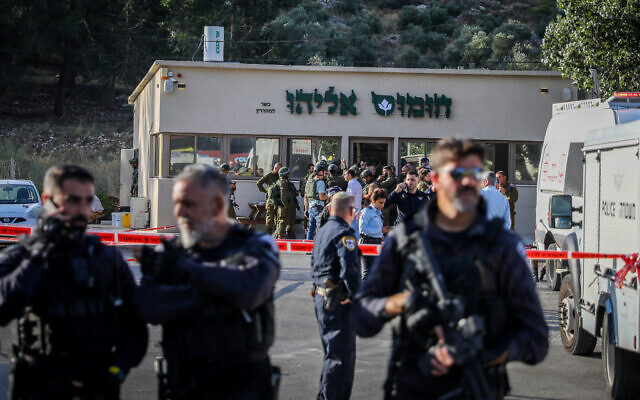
column 20, row 202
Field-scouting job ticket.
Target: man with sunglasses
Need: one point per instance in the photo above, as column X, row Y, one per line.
column 78, row 333
column 483, row 265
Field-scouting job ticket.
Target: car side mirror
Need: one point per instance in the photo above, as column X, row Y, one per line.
column 560, row 211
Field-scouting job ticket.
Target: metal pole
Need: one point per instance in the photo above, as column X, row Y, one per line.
column 13, row 169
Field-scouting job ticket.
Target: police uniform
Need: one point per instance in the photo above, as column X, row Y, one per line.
column 217, row 316
column 76, row 320
column 335, row 259
column 505, row 296
column 272, row 209
column 287, row 207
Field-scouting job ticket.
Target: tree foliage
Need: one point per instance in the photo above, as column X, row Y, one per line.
column 601, row 34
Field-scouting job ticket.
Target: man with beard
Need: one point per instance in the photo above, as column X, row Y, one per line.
column 78, row 333
column 407, row 197
column 482, row 264
column 212, row 292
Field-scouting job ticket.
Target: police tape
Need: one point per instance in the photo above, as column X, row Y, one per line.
column 9, row 233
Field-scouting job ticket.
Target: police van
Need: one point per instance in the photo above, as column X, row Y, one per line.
column 561, row 171
column 597, row 299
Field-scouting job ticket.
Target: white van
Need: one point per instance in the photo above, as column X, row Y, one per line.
column 592, row 302
column 561, row 172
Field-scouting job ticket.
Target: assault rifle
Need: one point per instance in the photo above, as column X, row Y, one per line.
column 462, row 336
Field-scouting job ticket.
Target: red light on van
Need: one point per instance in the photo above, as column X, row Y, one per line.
column 627, row 94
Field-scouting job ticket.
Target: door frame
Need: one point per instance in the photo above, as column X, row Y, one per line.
column 387, row 141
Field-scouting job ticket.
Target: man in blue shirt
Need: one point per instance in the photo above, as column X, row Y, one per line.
column 371, row 227
column 336, row 276
column 497, row 204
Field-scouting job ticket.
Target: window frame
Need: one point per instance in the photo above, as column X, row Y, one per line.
column 313, row 139
column 512, row 161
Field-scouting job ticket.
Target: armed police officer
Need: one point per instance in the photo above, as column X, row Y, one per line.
column 212, row 292
column 336, row 275
column 78, row 333
column 272, row 210
column 482, row 265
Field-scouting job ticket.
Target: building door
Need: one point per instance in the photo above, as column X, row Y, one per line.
column 377, row 151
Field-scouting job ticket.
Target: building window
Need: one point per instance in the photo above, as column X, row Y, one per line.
column 411, row 151
column 527, row 160
column 155, row 156
column 241, row 155
column 302, row 152
column 182, row 150
column 209, row 150
column 299, row 157
column 267, row 154
column 326, row 149
column 496, row 157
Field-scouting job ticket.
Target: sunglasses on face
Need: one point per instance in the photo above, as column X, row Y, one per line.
column 74, row 200
column 460, row 173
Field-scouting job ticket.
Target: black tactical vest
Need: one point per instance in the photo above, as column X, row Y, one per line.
column 218, row 336
column 73, row 315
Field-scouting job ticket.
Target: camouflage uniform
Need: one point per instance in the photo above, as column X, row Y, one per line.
column 511, row 193
column 287, row 206
column 338, row 181
column 269, row 179
column 423, row 186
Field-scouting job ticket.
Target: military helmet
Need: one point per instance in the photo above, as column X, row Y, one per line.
column 133, row 160
column 283, row 171
column 323, row 162
column 319, row 167
column 333, row 168
column 225, row 167
column 366, row 173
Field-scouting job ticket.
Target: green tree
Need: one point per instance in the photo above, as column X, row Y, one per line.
column 501, row 46
column 602, row 34
column 409, row 58
column 477, row 51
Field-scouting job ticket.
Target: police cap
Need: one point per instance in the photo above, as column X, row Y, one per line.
column 333, row 168
column 225, row 167
column 283, row 171
column 424, row 160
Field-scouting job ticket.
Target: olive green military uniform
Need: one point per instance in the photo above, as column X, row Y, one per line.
column 368, row 189
column 303, row 184
column 232, row 201
column 423, row 186
column 337, row 181
column 269, row 179
column 511, row 193
column 286, row 209
column 389, row 214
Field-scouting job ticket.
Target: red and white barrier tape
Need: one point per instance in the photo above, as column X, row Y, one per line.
column 9, row 233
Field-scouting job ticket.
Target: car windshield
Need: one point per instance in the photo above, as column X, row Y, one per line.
column 17, row 194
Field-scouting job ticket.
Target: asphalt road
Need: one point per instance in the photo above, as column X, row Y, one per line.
column 298, row 352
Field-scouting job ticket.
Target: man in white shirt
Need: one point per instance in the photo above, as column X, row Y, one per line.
column 497, row 204
column 355, row 189
column 97, row 211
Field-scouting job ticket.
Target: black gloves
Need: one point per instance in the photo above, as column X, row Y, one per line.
column 46, row 235
column 163, row 264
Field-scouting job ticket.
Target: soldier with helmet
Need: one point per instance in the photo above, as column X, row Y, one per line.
column 316, row 194
column 272, row 210
column 287, row 206
column 334, row 178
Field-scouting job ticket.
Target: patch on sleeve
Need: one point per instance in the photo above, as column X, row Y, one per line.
column 349, row 242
